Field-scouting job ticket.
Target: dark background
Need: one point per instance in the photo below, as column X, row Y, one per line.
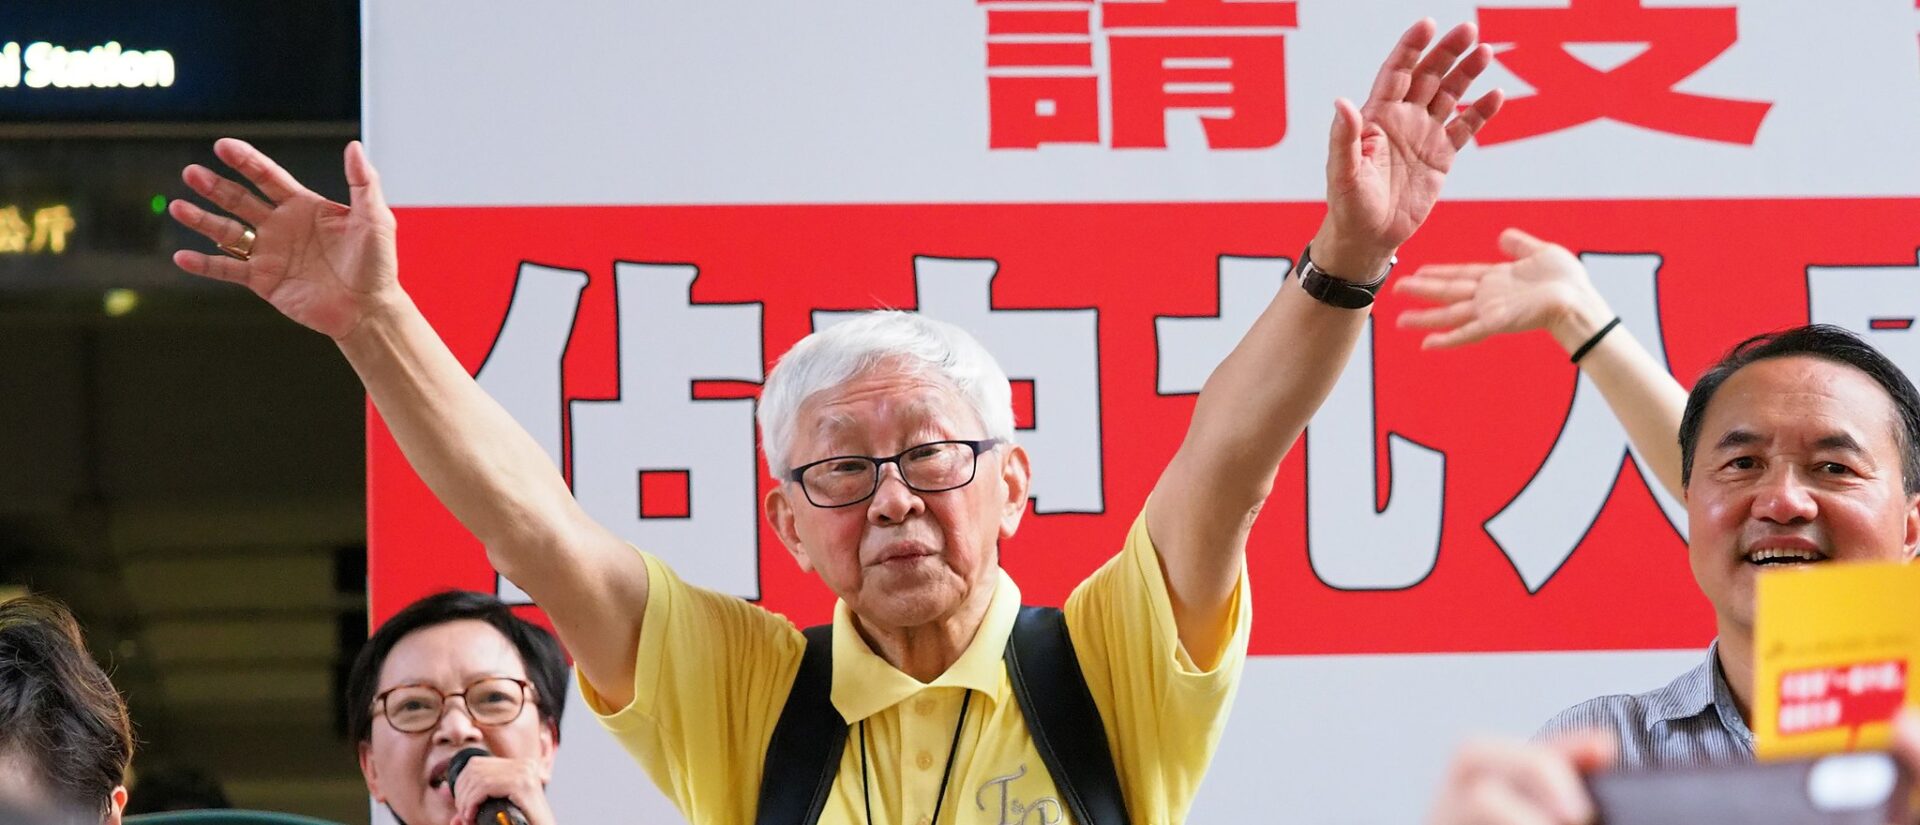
column 180, row 465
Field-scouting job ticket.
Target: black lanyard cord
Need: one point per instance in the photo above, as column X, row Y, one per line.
column 866, row 794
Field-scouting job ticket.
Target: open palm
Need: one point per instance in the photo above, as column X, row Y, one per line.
column 321, row 263
column 1544, row 282
column 1388, row 158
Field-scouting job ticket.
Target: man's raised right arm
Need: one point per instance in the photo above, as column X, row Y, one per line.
column 498, row 482
column 332, row 268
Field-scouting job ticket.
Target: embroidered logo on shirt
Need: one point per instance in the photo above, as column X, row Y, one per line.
column 1047, row 809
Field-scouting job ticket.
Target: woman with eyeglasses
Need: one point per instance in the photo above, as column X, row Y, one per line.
column 453, row 671
column 65, row 740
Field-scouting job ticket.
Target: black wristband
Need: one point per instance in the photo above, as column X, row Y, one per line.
column 1595, row 340
column 1335, row 291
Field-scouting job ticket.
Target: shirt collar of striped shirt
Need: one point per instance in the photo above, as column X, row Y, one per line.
column 1702, row 689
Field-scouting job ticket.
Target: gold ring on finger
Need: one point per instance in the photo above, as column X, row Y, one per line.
column 243, row 248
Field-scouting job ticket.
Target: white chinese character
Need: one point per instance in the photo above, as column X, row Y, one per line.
column 1057, row 349
column 1542, row 525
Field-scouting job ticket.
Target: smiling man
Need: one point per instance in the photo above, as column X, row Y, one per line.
column 1800, row 447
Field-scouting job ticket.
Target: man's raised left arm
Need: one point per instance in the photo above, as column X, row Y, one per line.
column 1386, row 161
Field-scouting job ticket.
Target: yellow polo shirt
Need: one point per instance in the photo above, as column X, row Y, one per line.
column 713, row 672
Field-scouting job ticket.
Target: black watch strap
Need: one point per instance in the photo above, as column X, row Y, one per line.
column 1334, row 291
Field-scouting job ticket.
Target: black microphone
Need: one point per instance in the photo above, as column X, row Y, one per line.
column 495, row 811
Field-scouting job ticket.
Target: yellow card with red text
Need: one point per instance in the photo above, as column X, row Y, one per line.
column 1837, row 652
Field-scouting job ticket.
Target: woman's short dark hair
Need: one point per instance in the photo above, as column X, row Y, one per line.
column 58, row 710
column 1818, row 341
column 539, row 652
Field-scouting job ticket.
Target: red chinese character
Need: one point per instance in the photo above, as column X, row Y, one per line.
column 1240, row 82
column 1679, row 42
column 1202, row 14
column 1224, row 59
column 1041, row 86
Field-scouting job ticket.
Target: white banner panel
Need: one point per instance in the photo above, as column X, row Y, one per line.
column 739, row 101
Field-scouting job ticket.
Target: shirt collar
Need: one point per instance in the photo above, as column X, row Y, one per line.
column 865, row 684
column 1723, row 701
column 1687, row 696
column 1697, row 691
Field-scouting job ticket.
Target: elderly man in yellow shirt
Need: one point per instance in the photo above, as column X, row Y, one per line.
column 892, row 442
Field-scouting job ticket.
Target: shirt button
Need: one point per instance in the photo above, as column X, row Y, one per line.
column 925, row 761
column 923, row 705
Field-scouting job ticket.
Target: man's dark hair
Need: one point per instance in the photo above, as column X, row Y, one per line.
column 58, row 710
column 1817, row 341
column 546, row 665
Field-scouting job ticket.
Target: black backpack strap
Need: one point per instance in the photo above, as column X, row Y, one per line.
column 1062, row 718
column 804, row 755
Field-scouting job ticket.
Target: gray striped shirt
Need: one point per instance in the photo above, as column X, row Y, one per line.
column 1691, row 721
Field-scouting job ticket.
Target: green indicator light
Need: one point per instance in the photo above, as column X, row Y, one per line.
column 159, row 204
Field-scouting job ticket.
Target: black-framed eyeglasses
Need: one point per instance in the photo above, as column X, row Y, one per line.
column 933, row 467
column 492, row 701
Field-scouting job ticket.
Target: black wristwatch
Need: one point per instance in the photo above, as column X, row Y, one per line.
column 1335, row 291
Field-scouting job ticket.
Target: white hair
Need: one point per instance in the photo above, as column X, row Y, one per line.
column 829, row 357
